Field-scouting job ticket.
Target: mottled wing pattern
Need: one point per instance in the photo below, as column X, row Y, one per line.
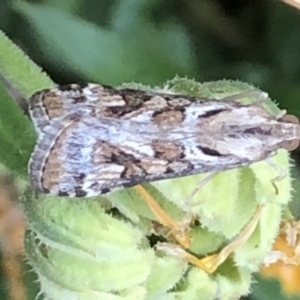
column 95, row 139
column 107, row 102
column 87, row 157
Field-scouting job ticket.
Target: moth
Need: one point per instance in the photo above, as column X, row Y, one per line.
column 94, row 139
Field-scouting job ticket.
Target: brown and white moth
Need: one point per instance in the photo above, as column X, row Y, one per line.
column 94, row 139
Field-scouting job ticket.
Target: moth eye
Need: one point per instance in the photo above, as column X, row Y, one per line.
column 290, row 145
column 290, row 119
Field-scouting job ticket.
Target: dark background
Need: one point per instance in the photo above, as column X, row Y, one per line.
column 150, row 41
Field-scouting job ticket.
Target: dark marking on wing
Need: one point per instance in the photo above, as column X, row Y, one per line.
column 258, row 130
column 133, row 170
column 105, row 191
column 79, row 192
column 123, row 110
column 209, row 151
column 78, row 96
column 211, row 113
column 79, row 178
column 168, row 151
column 79, row 99
column 121, row 158
column 63, row 194
column 36, row 96
column 182, row 154
column 72, row 87
column 136, row 99
column 168, row 109
column 169, row 170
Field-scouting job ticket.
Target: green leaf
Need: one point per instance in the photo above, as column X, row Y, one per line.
column 17, row 136
column 143, row 53
column 23, row 74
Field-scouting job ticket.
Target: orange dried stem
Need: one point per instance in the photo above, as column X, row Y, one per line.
column 176, row 229
column 212, row 262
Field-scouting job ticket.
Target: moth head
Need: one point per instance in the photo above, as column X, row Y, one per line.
column 290, row 145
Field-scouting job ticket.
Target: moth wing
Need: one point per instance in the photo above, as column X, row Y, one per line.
column 47, row 106
column 50, row 105
column 85, row 157
column 79, row 157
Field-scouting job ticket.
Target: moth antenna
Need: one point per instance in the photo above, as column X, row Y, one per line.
column 261, row 96
column 281, row 174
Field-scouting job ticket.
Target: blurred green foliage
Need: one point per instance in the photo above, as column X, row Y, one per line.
column 115, row 41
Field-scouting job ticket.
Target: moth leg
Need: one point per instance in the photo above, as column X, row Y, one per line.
column 281, row 114
column 281, row 174
column 212, row 262
column 261, row 98
column 178, row 230
column 188, row 200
